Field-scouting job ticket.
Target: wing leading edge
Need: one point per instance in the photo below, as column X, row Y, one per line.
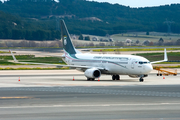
column 57, row 65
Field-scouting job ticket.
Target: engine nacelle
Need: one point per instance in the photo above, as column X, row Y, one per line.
column 92, row 73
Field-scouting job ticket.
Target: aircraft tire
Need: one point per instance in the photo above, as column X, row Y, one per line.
column 117, row 77
column 141, row 80
column 113, row 77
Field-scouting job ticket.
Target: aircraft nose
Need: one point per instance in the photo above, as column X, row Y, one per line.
column 149, row 68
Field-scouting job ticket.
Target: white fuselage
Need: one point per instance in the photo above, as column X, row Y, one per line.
column 113, row 64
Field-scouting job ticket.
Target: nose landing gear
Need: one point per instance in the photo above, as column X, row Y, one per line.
column 141, row 79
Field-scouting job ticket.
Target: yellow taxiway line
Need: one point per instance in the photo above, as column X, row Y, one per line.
column 17, row 97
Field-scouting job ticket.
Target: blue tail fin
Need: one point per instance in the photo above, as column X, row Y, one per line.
column 67, row 43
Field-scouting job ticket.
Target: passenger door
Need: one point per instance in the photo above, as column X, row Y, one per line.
column 132, row 63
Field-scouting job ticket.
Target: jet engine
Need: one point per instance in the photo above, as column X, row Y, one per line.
column 92, row 73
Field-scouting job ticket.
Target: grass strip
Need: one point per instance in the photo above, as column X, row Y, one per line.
column 178, row 66
column 1, row 52
column 37, row 68
column 133, row 49
column 4, row 60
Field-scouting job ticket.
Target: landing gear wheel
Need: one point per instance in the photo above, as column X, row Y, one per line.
column 141, row 80
column 115, row 77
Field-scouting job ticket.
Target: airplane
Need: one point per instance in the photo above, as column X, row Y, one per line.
column 94, row 65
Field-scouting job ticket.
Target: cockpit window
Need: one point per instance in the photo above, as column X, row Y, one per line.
column 143, row 62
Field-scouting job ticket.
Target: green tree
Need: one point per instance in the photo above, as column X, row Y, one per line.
column 137, row 41
column 81, row 37
column 16, row 34
column 178, row 42
column 161, row 41
column 28, row 35
column 87, row 38
column 147, row 33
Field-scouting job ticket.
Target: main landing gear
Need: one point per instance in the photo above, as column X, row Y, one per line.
column 115, row 77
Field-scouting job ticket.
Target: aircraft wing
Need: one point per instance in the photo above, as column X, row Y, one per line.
column 165, row 58
column 57, row 65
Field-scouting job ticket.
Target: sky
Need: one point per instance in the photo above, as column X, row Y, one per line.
column 140, row 3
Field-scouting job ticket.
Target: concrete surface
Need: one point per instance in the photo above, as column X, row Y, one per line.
column 53, row 95
column 9, row 78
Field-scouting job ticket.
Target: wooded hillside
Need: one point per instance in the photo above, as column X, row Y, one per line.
column 36, row 19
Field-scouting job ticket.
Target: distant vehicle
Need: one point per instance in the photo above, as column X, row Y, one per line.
column 93, row 65
column 104, row 40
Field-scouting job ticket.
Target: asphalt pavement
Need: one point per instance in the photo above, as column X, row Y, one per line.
column 85, row 103
column 53, row 95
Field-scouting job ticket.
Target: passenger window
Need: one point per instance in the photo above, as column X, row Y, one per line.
column 140, row 62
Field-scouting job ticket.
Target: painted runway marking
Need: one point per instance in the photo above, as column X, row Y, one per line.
column 17, row 97
column 95, row 105
column 97, row 91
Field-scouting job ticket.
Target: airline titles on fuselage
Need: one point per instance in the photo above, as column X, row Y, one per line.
column 111, row 58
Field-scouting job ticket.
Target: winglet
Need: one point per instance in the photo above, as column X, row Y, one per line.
column 15, row 60
column 165, row 55
column 165, row 58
